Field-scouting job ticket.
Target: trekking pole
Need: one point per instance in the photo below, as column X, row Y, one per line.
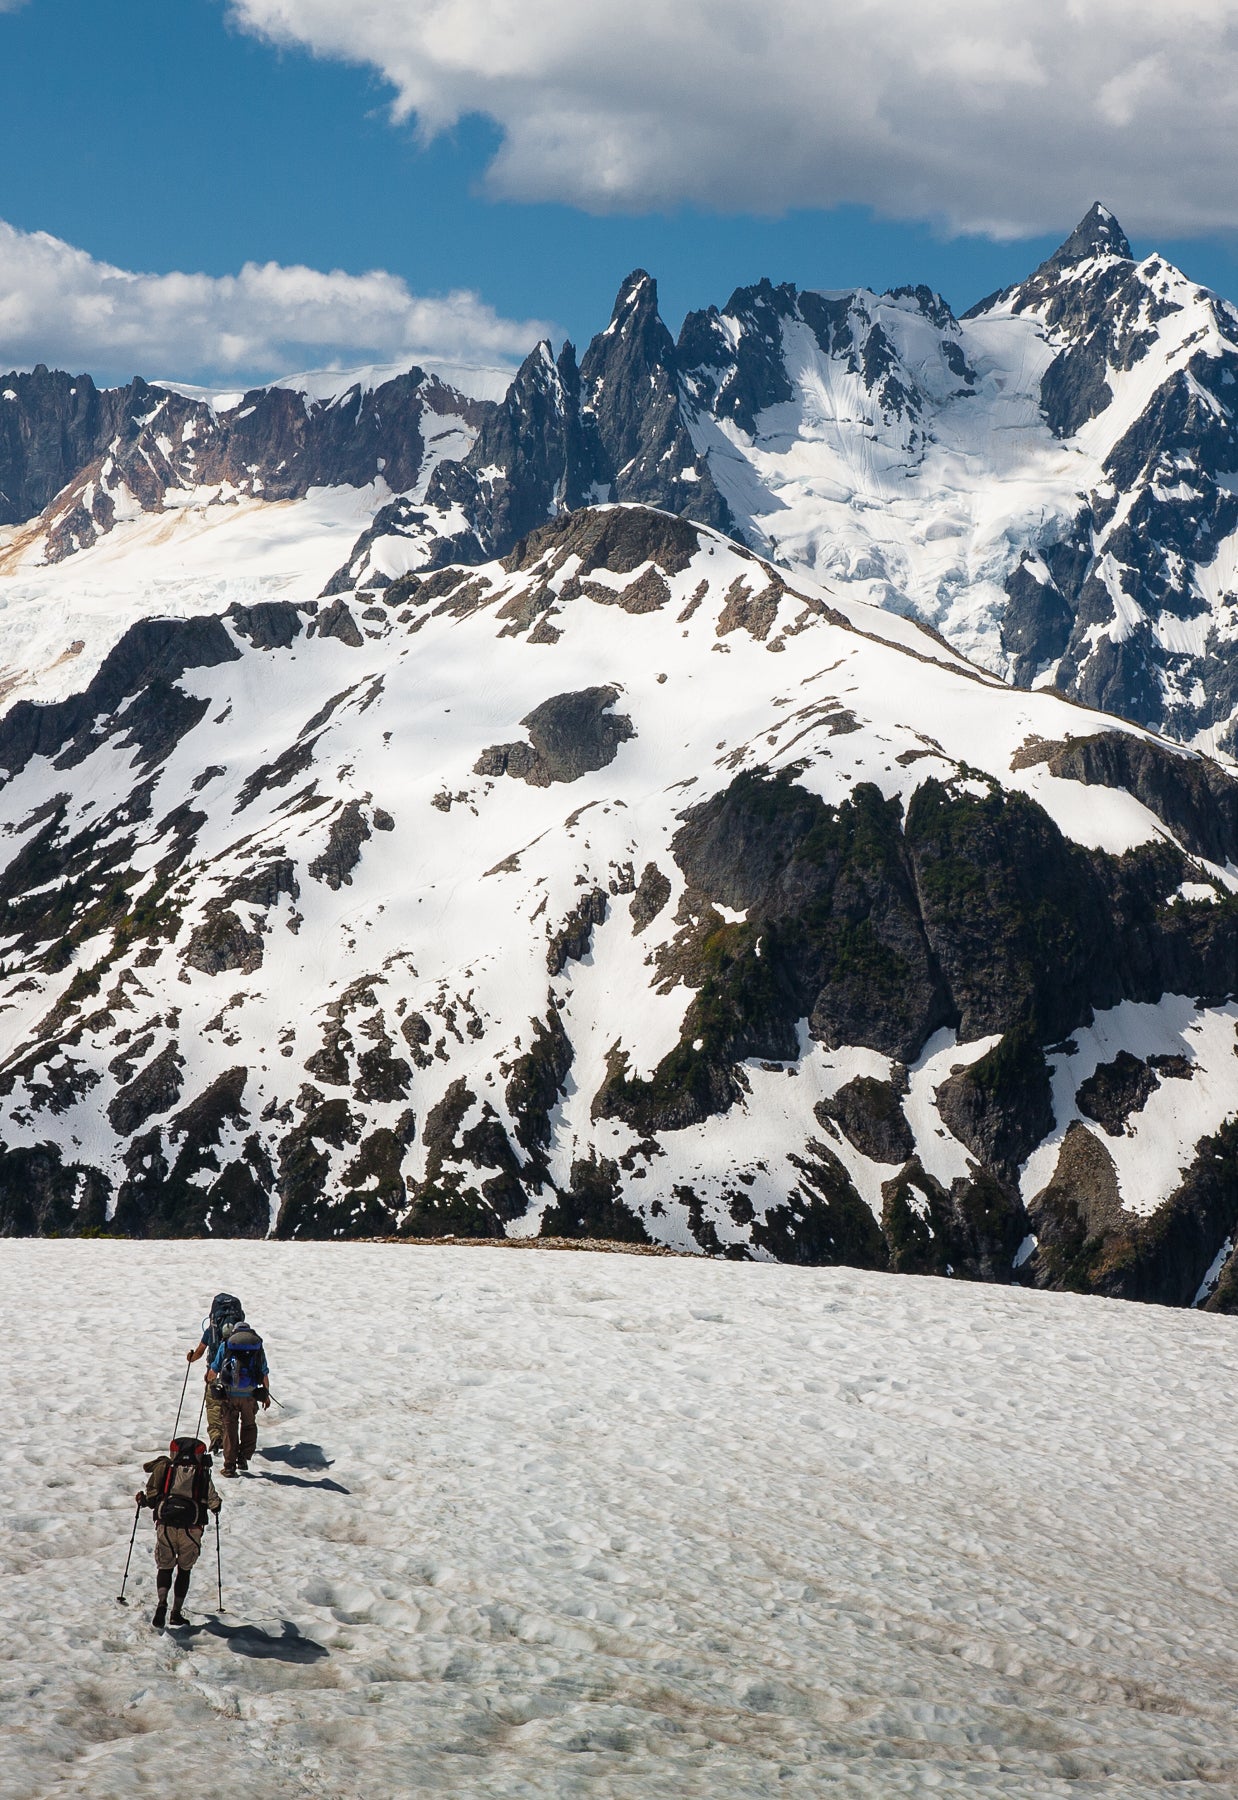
column 181, row 1401
column 120, row 1598
column 275, row 1402
column 198, row 1428
column 219, row 1573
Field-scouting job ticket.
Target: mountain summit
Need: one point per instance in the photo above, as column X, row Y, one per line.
column 1097, row 234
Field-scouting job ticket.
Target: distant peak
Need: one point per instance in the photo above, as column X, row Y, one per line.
column 1097, row 234
column 639, row 293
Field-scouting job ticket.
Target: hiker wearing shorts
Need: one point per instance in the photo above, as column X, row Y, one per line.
column 180, row 1493
column 226, row 1309
column 239, row 1371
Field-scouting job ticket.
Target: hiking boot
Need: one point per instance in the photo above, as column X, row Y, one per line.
column 242, row 1465
column 217, row 1445
column 230, row 1473
column 160, row 1617
column 177, row 1617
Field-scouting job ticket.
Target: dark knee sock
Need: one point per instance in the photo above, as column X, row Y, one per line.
column 163, row 1581
column 182, row 1584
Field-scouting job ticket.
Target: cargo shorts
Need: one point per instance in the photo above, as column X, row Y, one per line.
column 177, row 1546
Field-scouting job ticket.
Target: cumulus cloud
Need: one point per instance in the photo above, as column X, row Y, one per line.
column 997, row 116
column 60, row 306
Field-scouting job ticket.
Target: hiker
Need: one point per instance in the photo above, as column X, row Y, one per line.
column 180, row 1493
column 239, row 1372
column 226, row 1311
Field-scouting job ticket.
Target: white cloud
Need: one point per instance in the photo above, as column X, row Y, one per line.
column 59, row 306
column 1006, row 116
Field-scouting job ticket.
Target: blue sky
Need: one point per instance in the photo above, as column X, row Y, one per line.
column 156, row 135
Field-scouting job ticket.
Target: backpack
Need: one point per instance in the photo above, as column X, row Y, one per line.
column 181, row 1501
column 241, row 1372
column 226, row 1309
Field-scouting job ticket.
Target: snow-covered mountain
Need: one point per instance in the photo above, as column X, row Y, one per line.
column 625, row 886
column 1051, row 481
column 76, row 461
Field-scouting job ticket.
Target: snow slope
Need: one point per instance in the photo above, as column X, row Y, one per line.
column 545, row 1525
column 59, row 620
column 324, row 883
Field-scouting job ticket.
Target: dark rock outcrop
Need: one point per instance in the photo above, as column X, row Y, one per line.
column 155, row 1089
column 349, row 830
column 177, row 1182
column 1124, row 1086
column 42, row 1196
column 570, row 735
column 870, row 1113
column 144, row 667
column 1089, row 1243
column 1193, row 796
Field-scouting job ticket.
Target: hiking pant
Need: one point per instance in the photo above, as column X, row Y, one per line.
column 240, row 1428
column 214, row 1411
column 177, row 1547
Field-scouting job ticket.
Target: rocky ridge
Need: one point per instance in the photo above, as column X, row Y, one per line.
column 624, row 886
column 75, row 460
column 1047, row 480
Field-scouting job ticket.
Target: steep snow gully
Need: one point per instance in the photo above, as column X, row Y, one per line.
column 546, row 1526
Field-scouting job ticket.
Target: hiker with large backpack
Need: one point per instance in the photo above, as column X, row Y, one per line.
column 180, row 1493
column 226, row 1311
column 239, row 1372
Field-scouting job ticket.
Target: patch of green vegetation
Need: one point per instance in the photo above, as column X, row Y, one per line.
column 447, row 1210
column 914, row 1246
column 1016, row 1062
column 741, row 1009
column 855, row 953
column 153, row 917
column 863, row 833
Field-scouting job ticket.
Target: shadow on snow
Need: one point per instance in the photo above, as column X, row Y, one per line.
column 252, row 1640
column 298, row 1456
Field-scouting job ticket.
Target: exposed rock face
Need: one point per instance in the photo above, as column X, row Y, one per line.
column 814, row 954
column 871, row 1115
column 155, row 1090
column 1193, row 797
column 569, row 735
column 134, row 697
column 72, row 451
column 630, row 384
column 1124, row 1086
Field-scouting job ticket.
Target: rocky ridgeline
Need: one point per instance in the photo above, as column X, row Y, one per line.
column 81, row 458
column 1047, row 480
column 623, row 887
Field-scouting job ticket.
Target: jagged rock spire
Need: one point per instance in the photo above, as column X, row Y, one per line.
column 1097, row 234
column 629, row 383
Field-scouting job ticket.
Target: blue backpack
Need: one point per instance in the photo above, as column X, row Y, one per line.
column 241, row 1373
column 226, row 1309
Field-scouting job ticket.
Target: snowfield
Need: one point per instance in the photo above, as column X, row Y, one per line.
column 559, row 1525
column 58, row 621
